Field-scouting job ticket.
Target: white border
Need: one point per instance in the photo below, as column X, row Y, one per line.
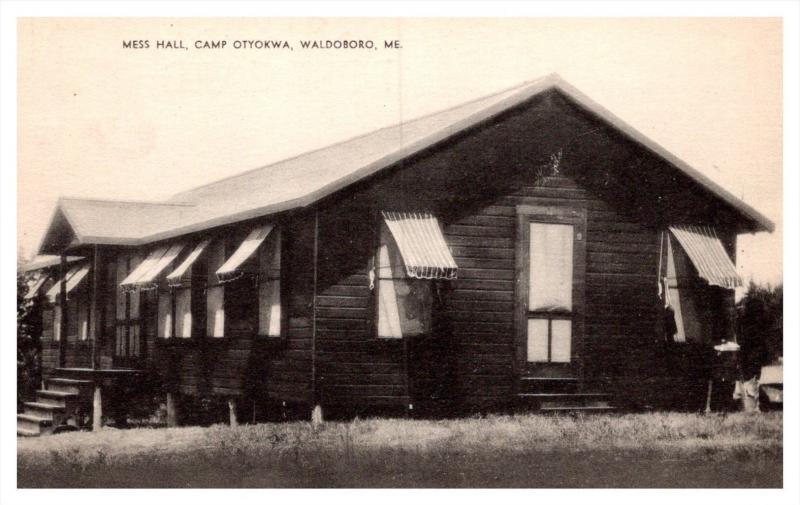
column 10, row 11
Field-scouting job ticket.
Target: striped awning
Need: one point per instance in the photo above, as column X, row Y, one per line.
column 36, row 285
column 144, row 275
column 176, row 277
column 73, row 277
column 422, row 245
column 230, row 269
column 708, row 255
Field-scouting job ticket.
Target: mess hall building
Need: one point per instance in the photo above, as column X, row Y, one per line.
column 521, row 249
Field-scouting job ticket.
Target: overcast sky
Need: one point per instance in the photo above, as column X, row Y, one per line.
column 99, row 120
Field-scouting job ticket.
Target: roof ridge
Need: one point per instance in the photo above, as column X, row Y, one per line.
column 552, row 77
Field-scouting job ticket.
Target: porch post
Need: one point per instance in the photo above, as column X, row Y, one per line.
column 93, row 312
column 62, row 301
column 97, row 408
column 234, row 420
column 172, row 411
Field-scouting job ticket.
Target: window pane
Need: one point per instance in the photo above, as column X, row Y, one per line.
column 57, row 322
column 550, row 267
column 83, row 320
column 537, row 339
column 561, row 341
column 122, row 272
column 414, row 301
column 121, row 340
column 134, row 299
column 165, row 314
column 72, row 319
column 215, row 326
column 269, row 308
column 183, row 313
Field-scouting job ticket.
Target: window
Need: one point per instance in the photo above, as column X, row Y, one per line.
column 77, row 308
column 182, row 301
column 693, row 302
column 404, row 303
column 269, row 286
column 127, row 341
column 550, row 292
column 215, row 291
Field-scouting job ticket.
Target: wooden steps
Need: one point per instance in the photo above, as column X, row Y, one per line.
column 55, row 407
column 560, row 395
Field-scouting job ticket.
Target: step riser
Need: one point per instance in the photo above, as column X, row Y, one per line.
column 63, row 388
column 56, row 402
column 33, row 426
column 56, row 417
column 574, row 404
column 544, row 386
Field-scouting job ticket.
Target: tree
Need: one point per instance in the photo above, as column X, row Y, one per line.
column 29, row 330
column 759, row 322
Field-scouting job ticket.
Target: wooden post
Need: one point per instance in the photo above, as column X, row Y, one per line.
column 172, row 411
column 708, row 396
column 93, row 315
column 62, row 301
column 234, row 421
column 97, row 408
column 316, row 415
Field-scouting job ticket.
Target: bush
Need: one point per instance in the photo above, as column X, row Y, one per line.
column 759, row 321
column 29, row 329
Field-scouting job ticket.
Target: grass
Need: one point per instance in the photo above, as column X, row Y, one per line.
column 631, row 450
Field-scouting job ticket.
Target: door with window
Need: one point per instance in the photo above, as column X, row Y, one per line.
column 551, row 267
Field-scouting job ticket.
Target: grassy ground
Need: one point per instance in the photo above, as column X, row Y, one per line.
column 633, row 450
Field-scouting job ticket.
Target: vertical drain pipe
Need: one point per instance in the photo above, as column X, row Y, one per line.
column 316, row 413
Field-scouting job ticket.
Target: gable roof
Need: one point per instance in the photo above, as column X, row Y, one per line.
column 302, row 180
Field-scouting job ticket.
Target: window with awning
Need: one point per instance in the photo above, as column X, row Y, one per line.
column 412, row 252
column 183, row 272
column 145, row 274
column 76, row 309
column 708, row 255
column 231, row 269
column 176, row 317
column 421, row 245
column 694, row 264
column 36, row 285
column 73, row 277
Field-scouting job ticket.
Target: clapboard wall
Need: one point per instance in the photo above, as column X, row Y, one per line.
column 473, row 183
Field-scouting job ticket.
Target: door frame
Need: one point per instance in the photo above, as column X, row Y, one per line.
column 550, row 214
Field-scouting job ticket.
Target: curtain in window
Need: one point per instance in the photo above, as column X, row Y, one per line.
column 165, row 314
column 57, row 323
column 183, row 313
column 83, row 318
column 269, row 286
column 550, row 285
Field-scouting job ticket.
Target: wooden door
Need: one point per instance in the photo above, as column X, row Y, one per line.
column 550, row 291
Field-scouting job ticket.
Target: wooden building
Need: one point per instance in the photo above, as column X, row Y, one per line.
column 519, row 249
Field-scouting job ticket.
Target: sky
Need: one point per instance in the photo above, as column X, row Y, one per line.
column 98, row 120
